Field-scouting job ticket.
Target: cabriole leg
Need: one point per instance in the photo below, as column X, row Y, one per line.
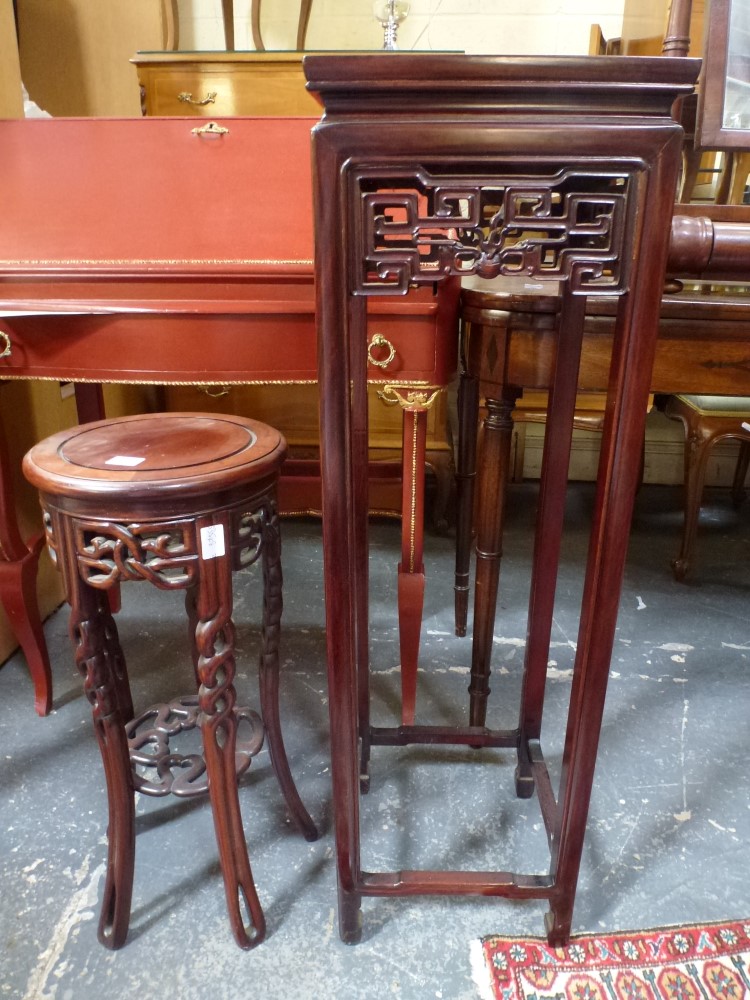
column 269, row 673
column 97, row 651
column 216, row 668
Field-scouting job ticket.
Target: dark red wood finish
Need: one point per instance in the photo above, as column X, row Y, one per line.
column 430, row 166
column 151, row 251
column 131, row 499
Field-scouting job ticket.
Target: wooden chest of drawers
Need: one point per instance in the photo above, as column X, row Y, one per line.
column 217, row 84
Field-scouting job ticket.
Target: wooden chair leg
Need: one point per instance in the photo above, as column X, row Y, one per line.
column 215, row 640
column 191, row 611
column 740, row 473
column 19, row 563
column 269, row 673
column 441, row 464
column 466, row 464
column 697, row 449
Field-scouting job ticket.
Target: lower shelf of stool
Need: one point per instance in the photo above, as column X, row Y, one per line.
column 159, row 770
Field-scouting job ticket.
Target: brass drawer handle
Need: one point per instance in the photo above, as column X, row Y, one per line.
column 211, row 129
column 380, row 341
column 187, row 98
column 6, row 345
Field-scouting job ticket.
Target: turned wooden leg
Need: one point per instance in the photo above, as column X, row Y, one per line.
column 216, row 699
column 411, row 578
column 558, row 436
column 269, row 672
column 466, row 464
column 94, row 636
column 493, row 478
column 191, row 611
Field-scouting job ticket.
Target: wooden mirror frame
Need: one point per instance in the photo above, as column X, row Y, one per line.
column 711, row 132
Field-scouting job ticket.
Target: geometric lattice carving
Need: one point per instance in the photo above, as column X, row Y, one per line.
column 165, row 554
column 568, row 224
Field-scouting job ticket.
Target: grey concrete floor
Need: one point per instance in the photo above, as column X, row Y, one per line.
column 669, row 822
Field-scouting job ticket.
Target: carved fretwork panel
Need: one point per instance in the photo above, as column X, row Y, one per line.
column 247, row 532
column 164, row 554
column 562, row 223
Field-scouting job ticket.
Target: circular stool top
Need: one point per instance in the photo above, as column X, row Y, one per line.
column 150, row 454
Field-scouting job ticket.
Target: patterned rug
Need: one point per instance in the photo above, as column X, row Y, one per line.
column 708, row 962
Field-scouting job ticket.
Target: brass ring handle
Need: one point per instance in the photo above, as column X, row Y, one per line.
column 187, row 98
column 380, row 341
column 211, row 129
column 6, row 345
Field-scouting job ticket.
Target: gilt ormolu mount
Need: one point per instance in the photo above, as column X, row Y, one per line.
column 431, row 166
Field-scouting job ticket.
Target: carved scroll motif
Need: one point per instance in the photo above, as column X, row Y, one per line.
column 568, row 224
column 164, row 554
column 247, row 537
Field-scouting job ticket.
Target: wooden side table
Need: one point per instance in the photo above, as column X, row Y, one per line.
column 560, row 169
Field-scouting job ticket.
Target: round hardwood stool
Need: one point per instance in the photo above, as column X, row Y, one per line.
column 180, row 500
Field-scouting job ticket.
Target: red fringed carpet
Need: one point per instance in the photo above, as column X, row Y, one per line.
column 709, row 962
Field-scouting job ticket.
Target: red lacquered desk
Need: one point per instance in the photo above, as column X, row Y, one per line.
column 154, row 251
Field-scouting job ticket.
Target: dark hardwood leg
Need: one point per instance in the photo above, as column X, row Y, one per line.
column 466, row 465
column 269, row 673
column 216, row 698
column 360, row 545
column 441, row 463
column 411, row 578
column 94, row 637
column 558, row 436
column 89, row 401
column 740, row 473
column 350, row 916
column 493, row 478
column 558, row 921
column 345, row 568
column 191, row 611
